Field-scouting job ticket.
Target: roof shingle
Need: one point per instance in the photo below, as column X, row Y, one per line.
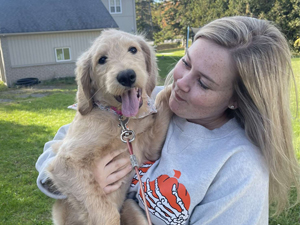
column 27, row 16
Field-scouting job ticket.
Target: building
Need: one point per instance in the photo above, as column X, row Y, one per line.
column 123, row 12
column 43, row 39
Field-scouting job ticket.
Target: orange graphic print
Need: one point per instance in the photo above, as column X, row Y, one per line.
column 167, row 199
column 142, row 170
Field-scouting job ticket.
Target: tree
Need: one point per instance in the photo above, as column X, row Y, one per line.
column 171, row 17
column 286, row 13
column 144, row 17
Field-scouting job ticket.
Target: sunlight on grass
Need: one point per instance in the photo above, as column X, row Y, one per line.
column 167, row 61
column 177, row 52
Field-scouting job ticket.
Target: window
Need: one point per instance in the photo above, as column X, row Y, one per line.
column 115, row 6
column 62, row 54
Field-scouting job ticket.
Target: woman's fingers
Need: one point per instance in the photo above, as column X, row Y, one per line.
column 115, row 179
column 110, row 170
column 116, row 165
column 116, row 176
column 109, row 157
column 111, row 188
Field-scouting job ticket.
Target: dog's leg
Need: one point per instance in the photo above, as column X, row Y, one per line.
column 64, row 214
column 156, row 136
column 132, row 214
column 59, row 213
column 86, row 199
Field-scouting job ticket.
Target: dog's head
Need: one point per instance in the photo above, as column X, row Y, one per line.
column 118, row 70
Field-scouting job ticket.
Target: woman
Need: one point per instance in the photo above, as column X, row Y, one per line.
column 228, row 151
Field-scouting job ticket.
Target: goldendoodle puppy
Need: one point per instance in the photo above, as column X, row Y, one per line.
column 115, row 78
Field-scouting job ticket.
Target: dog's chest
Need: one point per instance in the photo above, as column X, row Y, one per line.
column 138, row 127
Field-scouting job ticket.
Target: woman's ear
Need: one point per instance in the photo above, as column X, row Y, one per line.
column 83, row 76
column 233, row 104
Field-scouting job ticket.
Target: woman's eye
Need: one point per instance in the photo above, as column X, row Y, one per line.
column 102, row 60
column 133, row 50
column 203, row 85
column 185, row 63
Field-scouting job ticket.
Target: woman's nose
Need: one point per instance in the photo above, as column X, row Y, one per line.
column 183, row 83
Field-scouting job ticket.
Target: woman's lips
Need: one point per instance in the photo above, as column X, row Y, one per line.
column 178, row 97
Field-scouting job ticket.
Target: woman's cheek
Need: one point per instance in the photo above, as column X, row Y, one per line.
column 177, row 72
column 173, row 104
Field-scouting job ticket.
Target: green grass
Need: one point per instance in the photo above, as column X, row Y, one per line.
column 167, row 59
column 28, row 122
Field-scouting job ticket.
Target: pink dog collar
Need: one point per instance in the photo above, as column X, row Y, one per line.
column 150, row 109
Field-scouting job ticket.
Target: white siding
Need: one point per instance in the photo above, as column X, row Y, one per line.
column 127, row 19
column 39, row 49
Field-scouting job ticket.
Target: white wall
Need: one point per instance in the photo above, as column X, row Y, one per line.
column 127, row 19
column 39, row 49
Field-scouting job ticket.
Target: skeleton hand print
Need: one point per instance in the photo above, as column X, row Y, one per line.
column 167, row 199
column 142, row 170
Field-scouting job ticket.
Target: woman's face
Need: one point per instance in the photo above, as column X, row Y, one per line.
column 203, row 84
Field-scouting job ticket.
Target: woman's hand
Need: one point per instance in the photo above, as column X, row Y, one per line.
column 109, row 171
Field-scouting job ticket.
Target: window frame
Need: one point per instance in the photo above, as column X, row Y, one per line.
column 115, row 7
column 63, row 60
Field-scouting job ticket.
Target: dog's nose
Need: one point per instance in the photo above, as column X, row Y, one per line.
column 126, row 77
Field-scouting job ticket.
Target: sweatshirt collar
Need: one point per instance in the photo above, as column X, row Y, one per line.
column 199, row 131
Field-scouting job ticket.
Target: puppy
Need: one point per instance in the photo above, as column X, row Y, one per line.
column 115, row 77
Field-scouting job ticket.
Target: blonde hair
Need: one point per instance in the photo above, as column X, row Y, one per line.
column 263, row 61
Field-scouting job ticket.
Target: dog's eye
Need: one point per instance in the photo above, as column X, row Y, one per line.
column 102, row 60
column 133, row 50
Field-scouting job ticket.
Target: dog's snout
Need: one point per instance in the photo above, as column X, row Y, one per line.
column 126, row 77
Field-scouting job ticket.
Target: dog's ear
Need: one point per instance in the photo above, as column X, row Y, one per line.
column 152, row 69
column 83, row 77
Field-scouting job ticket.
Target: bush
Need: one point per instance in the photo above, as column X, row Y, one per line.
column 3, row 87
column 167, row 46
column 60, row 81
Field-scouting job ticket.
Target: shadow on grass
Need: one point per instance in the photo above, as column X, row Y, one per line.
column 62, row 101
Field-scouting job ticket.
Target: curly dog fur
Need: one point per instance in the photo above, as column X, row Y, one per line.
column 117, row 69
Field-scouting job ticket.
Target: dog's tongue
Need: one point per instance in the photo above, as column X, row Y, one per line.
column 130, row 103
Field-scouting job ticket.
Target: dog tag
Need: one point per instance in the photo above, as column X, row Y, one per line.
column 127, row 134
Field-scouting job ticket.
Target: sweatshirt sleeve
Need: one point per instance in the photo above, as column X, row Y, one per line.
column 237, row 196
column 43, row 183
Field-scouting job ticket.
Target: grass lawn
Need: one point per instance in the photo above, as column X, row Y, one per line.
column 31, row 117
column 167, row 59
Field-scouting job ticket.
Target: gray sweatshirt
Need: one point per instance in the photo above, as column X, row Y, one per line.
column 214, row 177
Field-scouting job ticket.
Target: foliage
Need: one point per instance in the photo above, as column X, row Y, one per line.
column 171, row 17
column 144, row 18
column 168, row 46
column 3, row 87
column 60, row 81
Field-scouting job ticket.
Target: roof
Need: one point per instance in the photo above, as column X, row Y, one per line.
column 27, row 16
